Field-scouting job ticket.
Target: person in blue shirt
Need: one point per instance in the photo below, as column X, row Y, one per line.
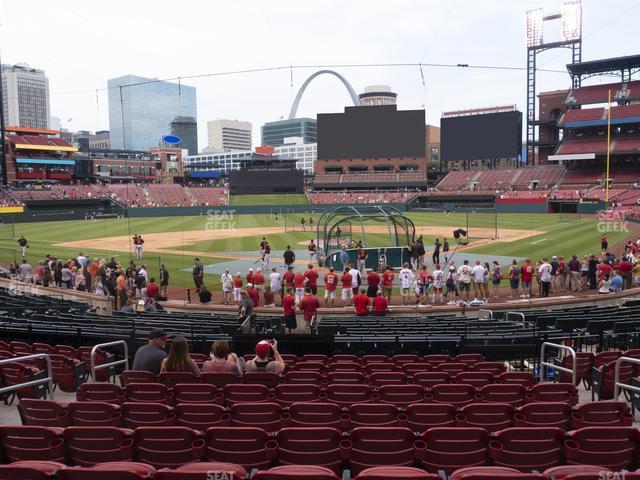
column 616, row 283
column 344, row 256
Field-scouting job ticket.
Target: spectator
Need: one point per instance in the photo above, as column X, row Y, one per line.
column 496, row 278
column 222, row 360
column 204, row 294
column 592, row 271
column 288, row 279
column 373, row 283
column 269, row 297
column 164, row 281
column 152, row 289
column 299, row 281
column 380, row 304
column 151, row 306
column 451, row 284
column 309, row 306
column 127, row 307
column 253, row 294
column 289, row 307
column 605, row 284
column 237, row 288
column 197, row 272
column 624, row 267
column 356, row 280
column 249, row 276
column 546, row 277
column 464, row 277
column 361, row 303
column 527, row 277
column 25, row 272
column 344, row 256
column 289, row 257
column 478, row 280
column 574, row 274
column 149, row 358
column 617, row 282
column 347, row 291
column 311, row 279
column 406, row 279
column 23, row 244
column 179, row 359
column 514, row 278
column 261, row 362
column 81, row 281
column 387, row 283
column 275, row 282
column 330, row 286
column 258, row 284
column 438, row 282
column 66, row 276
column 245, row 308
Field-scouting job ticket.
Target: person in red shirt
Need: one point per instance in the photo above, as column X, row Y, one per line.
column 299, row 281
column 309, row 306
column 312, row 279
column 253, row 294
column 347, row 291
column 237, row 288
column 527, row 276
column 152, row 289
column 258, row 284
column 373, row 282
column 380, row 304
column 250, row 276
column 625, row 267
column 288, row 278
column 330, row 286
column 387, row 283
column 289, row 306
column 604, row 269
column 361, row 303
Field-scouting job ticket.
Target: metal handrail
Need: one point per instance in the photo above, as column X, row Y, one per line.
column 617, row 386
column 92, row 358
column 519, row 314
column 32, row 383
column 544, row 364
column 483, row 311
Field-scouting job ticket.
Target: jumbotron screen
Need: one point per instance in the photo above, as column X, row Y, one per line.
column 481, row 137
column 371, row 132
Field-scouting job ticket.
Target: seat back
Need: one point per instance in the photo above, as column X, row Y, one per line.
column 343, row 376
column 423, row 416
column 302, row 376
column 395, row 472
column 431, row 379
column 244, row 446
column 101, row 392
column 296, row 472
column 45, row 413
column 456, row 394
column 170, row 379
column 220, row 380
column 374, row 414
column 197, row 393
column 527, row 379
column 25, row 442
column 137, row 376
column 168, row 447
column 449, row 449
column 377, row 379
column 200, row 416
column 95, row 414
column 88, row 446
column 310, row 446
column 241, row 393
column 30, row 470
column 316, row 414
column 149, row 393
column 202, row 470
column 611, row 447
column 512, row 394
column 601, row 414
column 267, row 379
column 109, row 471
column 476, row 379
column 553, row 392
column 138, row 414
column 493, row 473
column 490, row 416
column 527, row 448
column 496, row 368
column 377, row 446
column 266, row 415
column 543, row 414
column 401, row 395
column 286, row 394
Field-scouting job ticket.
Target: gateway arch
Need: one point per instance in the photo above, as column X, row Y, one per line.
column 345, row 82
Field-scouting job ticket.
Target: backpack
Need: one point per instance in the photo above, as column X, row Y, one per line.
column 497, row 274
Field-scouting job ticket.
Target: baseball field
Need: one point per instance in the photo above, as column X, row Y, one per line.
column 227, row 240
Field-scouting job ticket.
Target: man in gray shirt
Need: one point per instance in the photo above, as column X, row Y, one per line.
column 150, row 356
column 25, row 271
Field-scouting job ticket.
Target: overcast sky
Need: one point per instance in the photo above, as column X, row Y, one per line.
column 81, row 44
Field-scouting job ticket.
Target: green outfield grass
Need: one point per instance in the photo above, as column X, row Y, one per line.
column 554, row 237
column 285, row 199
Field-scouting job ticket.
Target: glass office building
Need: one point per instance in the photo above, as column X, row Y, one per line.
column 141, row 110
column 274, row 133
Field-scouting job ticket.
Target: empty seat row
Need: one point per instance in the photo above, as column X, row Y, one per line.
column 273, row 416
column 342, row 394
column 437, row 449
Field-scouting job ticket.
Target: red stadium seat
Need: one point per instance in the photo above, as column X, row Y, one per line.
column 411, row 368
column 149, row 393
column 101, row 392
column 476, row 379
column 101, row 357
column 344, row 357
column 138, row 414
column 373, row 415
column 553, row 392
column 611, row 447
column 30, row 470
column 401, row 395
column 373, row 367
column 493, row 473
column 137, row 376
column 346, row 366
column 469, row 358
column 16, row 373
column 286, row 394
column 200, row 416
column 266, row 415
column 44, row 413
column 456, row 394
column 267, row 379
column 601, row 414
column 168, row 447
column 526, row 379
column 348, row 394
column 319, row 367
column 197, row 393
column 315, row 414
column 109, row 471
column 242, row 446
column 345, row 376
column 423, row 416
column 68, row 373
column 453, row 368
column 378, row 379
column 44, row 348
column 496, row 368
column 577, row 472
column 310, row 446
column 449, row 449
column 404, row 358
column 238, row 392
column 490, row 416
column 431, row 379
column 296, row 472
column 22, row 443
column 584, row 364
column 220, row 380
column 170, row 379
column 527, row 448
column 512, row 394
column 378, row 446
column 88, row 446
column 315, row 357
column 302, row 376
column 402, row 473
column 367, row 359
column 543, row 414
column 94, row 414
column 203, row 471
column 436, row 359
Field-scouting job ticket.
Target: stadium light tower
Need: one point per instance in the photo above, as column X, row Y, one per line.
column 571, row 17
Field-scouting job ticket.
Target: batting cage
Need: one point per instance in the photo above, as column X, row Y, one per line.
column 384, row 232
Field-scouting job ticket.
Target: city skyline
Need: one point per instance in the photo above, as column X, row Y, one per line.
column 448, row 32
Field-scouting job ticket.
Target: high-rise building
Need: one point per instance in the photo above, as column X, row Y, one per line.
column 141, row 110
column 25, row 96
column 187, row 129
column 228, row 136
column 306, row 154
column 274, row 133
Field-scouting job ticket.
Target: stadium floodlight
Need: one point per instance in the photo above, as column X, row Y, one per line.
column 535, row 19
column 571, row 21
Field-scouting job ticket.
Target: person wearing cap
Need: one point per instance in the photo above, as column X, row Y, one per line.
column 245, row 309
column 261, row 362
column 250, row 276
column 149, row 358
column 361, row 303
column 380, row 304
column 197, row 272
column 237, row 288
column 258, row 285
column 253, row 294
column 452, row 285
